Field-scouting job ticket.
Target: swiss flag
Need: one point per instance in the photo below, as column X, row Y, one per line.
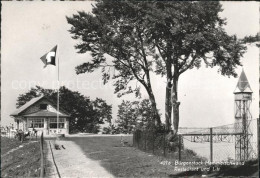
column 50, row 57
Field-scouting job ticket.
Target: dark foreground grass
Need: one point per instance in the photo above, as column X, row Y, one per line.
column 8, row 144
column 123, row 161
column 22, row 162
column 127, row 161
column 249, row 169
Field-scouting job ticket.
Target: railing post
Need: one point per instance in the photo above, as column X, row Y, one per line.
column 42, row 164
column 180, row 147
column 164, row 143
column 134, row 138
column 153, row 140
column 258, row 140
column 139, row 138
column 144, row 140
column 211, row 145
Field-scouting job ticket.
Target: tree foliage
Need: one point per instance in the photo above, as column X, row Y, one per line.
column 117, row 30
column 133, row 115
column 251, row 39
column 86, row 115
column 126, row 118
column 167, row 38
column 185, row 34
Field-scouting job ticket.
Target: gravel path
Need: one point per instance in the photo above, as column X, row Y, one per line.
column 72, row 162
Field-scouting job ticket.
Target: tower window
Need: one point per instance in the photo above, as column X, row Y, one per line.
column 43, row 106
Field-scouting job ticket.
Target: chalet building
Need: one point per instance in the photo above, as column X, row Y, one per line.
column 40, row 113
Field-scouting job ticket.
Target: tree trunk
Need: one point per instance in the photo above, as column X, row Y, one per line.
column 168, row 105
column 175, row 104
column 156, row 117
column 148, row 87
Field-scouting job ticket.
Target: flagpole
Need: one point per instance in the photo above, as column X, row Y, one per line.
column 48, row 59
column 58, row 93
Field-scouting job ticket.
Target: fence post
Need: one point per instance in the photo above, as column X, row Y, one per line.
column 41, row 148
column 211, row 145
column 134, row 135
column 133, row 139
column 258, row 140
column 179, row 147
column 144, row 140
column 139, row 138
column 164, row 143
column 153, row 140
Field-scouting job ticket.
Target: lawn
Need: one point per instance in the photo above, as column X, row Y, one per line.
column 20, row 159
column 8, row 144
column 122, row 161
column 127, row 161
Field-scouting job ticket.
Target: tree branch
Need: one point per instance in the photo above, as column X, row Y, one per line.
column 184, row 61
column 189, row 65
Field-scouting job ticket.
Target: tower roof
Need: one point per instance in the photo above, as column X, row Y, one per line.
column 243, row 84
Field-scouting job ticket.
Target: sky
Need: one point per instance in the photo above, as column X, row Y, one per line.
column 30, row 29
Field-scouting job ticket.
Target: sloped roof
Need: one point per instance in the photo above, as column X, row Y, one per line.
column 33, row 101
column 45, row 113
column 243, row 84
column 26, row 105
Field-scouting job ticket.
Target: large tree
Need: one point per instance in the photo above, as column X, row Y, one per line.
column 118, row 31
column 185, row 34
column 86, row 115
column 175, row 36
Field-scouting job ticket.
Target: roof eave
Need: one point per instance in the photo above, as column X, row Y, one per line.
column 240, row 92
column 46, row 116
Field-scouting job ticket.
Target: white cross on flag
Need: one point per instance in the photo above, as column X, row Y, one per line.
column 50, row 57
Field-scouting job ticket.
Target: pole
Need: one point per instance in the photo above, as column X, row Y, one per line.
column 144, row 140
column 134, row 138
column 211, row 145
column 164, row 147
column 244, row 130
column 180, row 144
column 153, row 135
column 58, row 93
column 139, row 136
column 42, row 163
column 258, row 139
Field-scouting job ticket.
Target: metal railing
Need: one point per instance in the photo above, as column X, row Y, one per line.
column 234, row 142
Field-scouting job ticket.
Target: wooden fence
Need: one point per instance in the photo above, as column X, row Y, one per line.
column 42, row 156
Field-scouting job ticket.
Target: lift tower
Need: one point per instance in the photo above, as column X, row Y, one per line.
column 243, row 117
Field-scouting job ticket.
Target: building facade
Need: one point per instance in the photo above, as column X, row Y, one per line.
column 41, row 114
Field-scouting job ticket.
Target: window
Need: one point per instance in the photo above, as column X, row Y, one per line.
column 43, row 106
column 36, row 123
column 53, row 123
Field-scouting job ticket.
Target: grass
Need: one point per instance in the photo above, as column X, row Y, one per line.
column 250, row 169
column 8, row 144
column 127, row 161
column 123, row 161
column 23, row 161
